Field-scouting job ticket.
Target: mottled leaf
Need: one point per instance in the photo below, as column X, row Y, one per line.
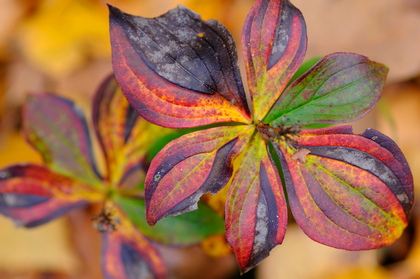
column 256, row 211
column 274, row 45
column 127, row 254
column 177, row 70
column 186, row 229
column 32, row 195
column 123, row 135
column 342, row 87
column 348, row 191
column 57, row 128
column 190, row 166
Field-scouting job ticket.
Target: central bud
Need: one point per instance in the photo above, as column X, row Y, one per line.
column 281, row 133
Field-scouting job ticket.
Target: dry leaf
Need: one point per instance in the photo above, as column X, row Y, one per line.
column 62, row 34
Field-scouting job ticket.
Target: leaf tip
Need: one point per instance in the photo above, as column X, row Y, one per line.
column 114, row 12
column 150, row 218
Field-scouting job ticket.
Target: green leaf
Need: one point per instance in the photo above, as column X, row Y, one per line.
column 342, row 87
column 306, row 66
column 186, row 229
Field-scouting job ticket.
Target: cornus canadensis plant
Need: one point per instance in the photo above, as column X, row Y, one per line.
column 345, row 190
column 32, row 194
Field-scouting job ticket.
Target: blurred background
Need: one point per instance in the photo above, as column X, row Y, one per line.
column 62, row 46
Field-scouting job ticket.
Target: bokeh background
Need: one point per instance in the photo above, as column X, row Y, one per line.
column 62, row 46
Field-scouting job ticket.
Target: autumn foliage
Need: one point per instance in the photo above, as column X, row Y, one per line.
column 345, row 190
column 176, row 122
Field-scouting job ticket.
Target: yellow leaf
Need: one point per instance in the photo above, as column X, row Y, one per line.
column 62, row 34
column 216, row 246
column 231, row 13
column 14, row 149
column 362, row 272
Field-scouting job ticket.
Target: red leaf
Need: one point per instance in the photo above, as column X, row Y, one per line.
column 274, row 45
column 32, row 195
column 190, row 166
column 130, row 255
column 176, row 70
column 256, row 210
column 58, row 130
column 352, row 191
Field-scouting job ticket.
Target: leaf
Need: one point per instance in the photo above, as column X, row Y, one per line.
column 190, row 166
column 274, row 45
column 342, row 87
column 186, row 229
column 57, row 128
column 256, row 210
column 353, row 192
column 306, row 66
column 176, row 70
column 124, row 136
column 56, row 39
column 32, row 195
column 126, row 254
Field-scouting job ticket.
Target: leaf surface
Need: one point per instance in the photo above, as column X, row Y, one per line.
column 348, row 191
column 126, row 254
column 342, row 87
column 274, row 45
column 32, row 195
column 177, row 70
column 186, row 229
column 190, row 166
column 57, row 128
column 123, row 135
column 256, row 210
